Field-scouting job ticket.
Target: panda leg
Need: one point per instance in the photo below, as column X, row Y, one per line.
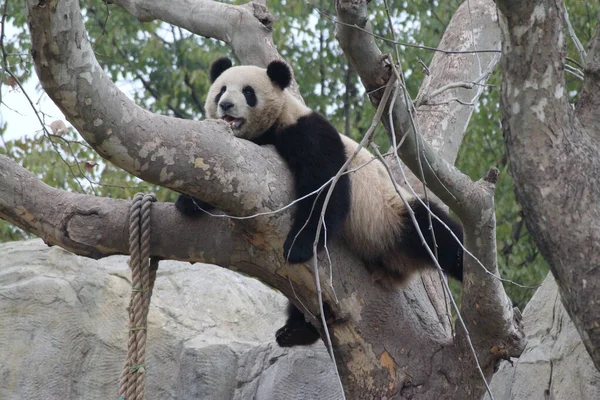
column 299, row 332
column 296, row 331
column 449, row 251
column 191, row 206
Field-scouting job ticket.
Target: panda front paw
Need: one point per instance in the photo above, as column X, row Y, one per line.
column 191, row 206
column 299, row 250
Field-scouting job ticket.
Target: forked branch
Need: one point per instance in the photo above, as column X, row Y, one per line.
column 472, row 201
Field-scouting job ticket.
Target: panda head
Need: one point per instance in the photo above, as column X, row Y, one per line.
column 250, row 99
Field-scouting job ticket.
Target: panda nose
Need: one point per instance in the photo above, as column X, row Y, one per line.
column 225, row 105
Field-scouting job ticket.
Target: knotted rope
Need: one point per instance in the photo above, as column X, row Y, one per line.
column 143, row 274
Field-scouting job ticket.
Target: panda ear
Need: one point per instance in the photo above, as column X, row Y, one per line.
column 279, row 73
column 218, row 67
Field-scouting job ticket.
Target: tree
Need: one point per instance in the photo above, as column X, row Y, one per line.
column 380, row 347
column 553, row 151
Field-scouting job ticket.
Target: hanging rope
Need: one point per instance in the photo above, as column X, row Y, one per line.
column 143, row 275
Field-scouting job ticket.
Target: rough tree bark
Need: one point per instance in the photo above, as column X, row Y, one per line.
column 391, row 344
column 485, row 307
column 554, row 153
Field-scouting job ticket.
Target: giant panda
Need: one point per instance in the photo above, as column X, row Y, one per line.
column 364, row 207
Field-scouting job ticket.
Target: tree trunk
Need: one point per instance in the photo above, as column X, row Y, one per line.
column 553, row 152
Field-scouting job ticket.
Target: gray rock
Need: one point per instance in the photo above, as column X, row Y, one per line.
column 63, row 334
column 63, row 327
column 555, row 364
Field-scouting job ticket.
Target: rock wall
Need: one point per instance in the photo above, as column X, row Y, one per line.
column 555, row 364
column 63, row 328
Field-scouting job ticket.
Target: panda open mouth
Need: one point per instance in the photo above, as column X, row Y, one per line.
column 234, row 123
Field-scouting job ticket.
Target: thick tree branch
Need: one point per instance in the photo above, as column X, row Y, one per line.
column 444, row 124
column 175, row 153
column 372, row 75
column 554, row 159
column 246, row 28
column 589, row 98
column 490, row 322
column 536, row 78
column 98, row 227
column 66, row 219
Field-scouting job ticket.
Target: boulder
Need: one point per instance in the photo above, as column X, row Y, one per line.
column 63, row 329
column 211, row 332
column 555, row 364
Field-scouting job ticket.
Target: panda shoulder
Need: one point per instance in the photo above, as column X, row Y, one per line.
column 315, row 123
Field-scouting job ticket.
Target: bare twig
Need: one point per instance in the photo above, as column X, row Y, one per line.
column 415, row 46
column 577, row 73
column 456, row 99
column 580, row 49
column 439, row 268
column 43, row 125
column 453, row 85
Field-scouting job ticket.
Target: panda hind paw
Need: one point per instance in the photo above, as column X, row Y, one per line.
column 296, row 333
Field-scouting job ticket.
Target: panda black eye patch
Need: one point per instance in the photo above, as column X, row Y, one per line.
column 250, row 95
column 218, row 97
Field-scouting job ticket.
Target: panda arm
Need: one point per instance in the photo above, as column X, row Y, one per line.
column 191, row 206
column 314, row 153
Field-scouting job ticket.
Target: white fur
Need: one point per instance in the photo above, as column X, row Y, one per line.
column 374, row 222
column 274, row 108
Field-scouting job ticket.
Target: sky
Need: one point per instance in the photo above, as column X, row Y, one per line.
column 16, row 111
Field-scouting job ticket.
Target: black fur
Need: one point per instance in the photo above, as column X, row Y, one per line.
column 314, row 153
column 191, row 206
column 296, row 331
column 449, row 252
column 218, row 67
column 280, row 73
column 218, row 96
column 250, row 96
